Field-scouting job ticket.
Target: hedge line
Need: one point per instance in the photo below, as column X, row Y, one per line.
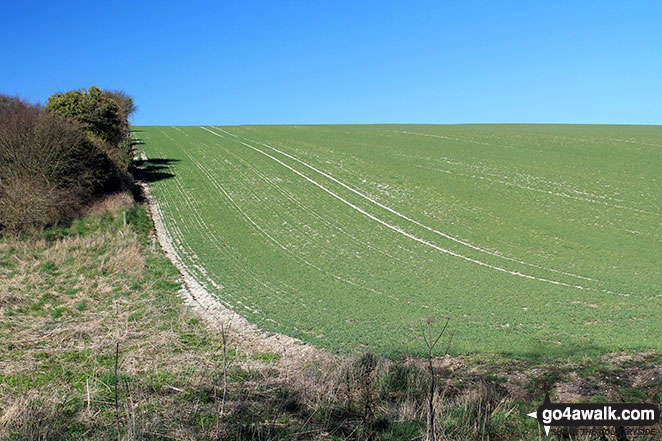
column 58, row 158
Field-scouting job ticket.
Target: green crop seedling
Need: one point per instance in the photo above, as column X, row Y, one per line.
column 535, row 239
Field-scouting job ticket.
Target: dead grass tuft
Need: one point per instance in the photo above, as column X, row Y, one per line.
column 33, row 417
column 112, row 202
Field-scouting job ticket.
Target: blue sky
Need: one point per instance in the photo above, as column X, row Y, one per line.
column 285, row 62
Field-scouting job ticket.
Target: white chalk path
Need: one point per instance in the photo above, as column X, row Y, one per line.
column 217, row 314
column 395, row 228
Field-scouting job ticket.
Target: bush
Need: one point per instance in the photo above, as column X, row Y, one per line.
column 127, row 108
column 125, row 103
column 48, row 167
column 102, row 115
column 55, row 159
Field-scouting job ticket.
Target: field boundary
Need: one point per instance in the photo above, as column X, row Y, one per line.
column 216, row 314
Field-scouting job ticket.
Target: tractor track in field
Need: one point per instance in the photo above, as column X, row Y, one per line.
column 400, row 230
column 289, row 196
column 262, row 231
column 215, row 313
column 215, row 241
column 311, row 212
column 527, row 187
column 415, row 222
column 274, row 240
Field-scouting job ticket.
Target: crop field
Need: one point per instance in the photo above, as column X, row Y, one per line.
column 535, row 240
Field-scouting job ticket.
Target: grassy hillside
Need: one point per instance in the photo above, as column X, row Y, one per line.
column 98, row 345
column 535, row 240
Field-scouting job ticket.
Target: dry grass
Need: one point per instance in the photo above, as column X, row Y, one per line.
column 60, row 279
column 116, row 201
column 64, row 306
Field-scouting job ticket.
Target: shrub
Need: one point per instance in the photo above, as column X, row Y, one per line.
column 127, row 108
column 102, row 115
column 124, row 101
column 48, row 167
column 55, row 159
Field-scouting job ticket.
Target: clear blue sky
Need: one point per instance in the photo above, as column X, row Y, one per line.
column 271, row 62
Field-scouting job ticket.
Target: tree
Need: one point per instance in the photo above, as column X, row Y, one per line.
column 429, row 341
column 124, row 101
column 55, row 159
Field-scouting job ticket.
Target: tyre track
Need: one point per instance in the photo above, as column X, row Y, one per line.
column 526, row 187
column 311, row 212
column 398, row 229
column 274, row 240
column 397, row 213
column 232, row 258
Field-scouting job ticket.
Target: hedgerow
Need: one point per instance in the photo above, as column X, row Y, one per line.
column 56, row 159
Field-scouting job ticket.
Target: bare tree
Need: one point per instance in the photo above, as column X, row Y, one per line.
column 429, row 341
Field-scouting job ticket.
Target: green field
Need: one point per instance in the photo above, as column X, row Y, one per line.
column 535, row 239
